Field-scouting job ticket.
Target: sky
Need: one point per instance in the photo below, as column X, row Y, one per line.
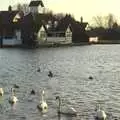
column 85, row 8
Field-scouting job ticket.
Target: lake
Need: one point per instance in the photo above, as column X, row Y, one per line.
column 71, row 67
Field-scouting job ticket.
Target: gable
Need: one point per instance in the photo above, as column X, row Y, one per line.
column 16, row 18
column 68, row 30
column 42, row 29
column 7, row 16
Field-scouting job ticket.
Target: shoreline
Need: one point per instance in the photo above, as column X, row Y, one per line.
column 48, row 45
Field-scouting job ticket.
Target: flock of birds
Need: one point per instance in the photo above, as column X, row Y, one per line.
column 43, row 106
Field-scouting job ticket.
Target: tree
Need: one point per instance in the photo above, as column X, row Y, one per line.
column 22, row 7
column 104, row 21
column 111, row 20
column 98, row 21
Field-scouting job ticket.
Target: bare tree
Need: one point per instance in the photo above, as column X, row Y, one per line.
column 22, row 7
column 104, row 21
column 111, row 20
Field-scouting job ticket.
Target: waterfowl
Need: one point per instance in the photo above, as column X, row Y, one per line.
column 100, row 114
column 50, row 74
column 1, row 92
column 38, row 70
column 43, row 105
column 13, row 99
column 16, row 86
column 67, row 111
column 32, row 92
column 90, row 77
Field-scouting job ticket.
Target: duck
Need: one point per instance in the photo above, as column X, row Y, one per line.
column 90, row 77
column 66, row 111
column 42, row 106
column 38, row 70
column 13, row 99
column 1, row 92
column 100, row 114
column 16, row 86
column 32, row 92
column 50, row 74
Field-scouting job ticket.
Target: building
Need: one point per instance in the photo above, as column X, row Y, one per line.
column 10, row 28
column 45, row 35
column 36, row 6
column 78, row 29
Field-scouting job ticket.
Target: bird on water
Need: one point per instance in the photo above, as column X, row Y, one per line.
column 42, row 106
column 100, row 114
column 65, row 110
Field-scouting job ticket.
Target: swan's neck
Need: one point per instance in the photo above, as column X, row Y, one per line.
column 13, row 93
column 59, row 105
column 43, row 99
column 99, row 107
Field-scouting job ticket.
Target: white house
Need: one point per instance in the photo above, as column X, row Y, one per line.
column 68, row 35
column 64, row 37
column 36, row 6
column 42, row 35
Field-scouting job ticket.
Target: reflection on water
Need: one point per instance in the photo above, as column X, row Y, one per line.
column 71, row 67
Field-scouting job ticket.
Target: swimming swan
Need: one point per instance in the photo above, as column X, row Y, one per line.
column 13, row 99
column 43, row 105
column 100, row 114
column 1, row 92
column 67, row 111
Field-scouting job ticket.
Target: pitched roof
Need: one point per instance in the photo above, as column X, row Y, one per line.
column 6, row 17
column 36, row 3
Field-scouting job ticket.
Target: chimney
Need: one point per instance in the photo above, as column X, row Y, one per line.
column 9, row 8
column 81, row 19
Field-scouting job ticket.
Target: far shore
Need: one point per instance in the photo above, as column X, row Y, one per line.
column 47, row 45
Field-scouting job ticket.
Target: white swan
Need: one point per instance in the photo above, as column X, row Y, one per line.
column 13, row 99
column 43, row 105
column 100, row 114
column 1, row 92
column 67, row 111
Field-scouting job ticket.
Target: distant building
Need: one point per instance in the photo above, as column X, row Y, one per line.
column 36, row 6
column 17, row 28
column 110, row 34
column 10, row 28
column 78, row 29
column 46, row 36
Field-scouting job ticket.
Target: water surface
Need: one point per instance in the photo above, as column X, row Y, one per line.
column 71, row 67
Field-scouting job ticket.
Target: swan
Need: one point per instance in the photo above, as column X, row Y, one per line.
column 50, row 74
column 1, row 92
column 100, row 114
column 43, row 105
column 13, row 99
column 67, row 111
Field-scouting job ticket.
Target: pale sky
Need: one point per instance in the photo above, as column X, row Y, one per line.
column 85, row 8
